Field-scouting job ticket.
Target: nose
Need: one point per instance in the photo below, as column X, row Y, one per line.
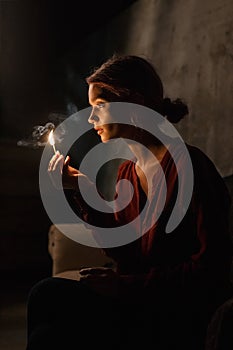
column 93, row 117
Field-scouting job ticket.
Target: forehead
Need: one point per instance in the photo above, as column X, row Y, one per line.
column 103, row 93
column 95, row 92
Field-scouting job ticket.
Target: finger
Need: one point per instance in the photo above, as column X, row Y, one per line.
column 53, row 160
column 89, row 270
column 95, row 270
column 58, row 165
column 51, row 163
column 92, row 278
column 67, row 160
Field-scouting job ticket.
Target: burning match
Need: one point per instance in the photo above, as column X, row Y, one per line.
column 51, row 140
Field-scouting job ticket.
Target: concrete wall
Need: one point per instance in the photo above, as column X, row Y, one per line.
column 190, row 43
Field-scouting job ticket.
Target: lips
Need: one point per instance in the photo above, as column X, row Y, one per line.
column 99, row 130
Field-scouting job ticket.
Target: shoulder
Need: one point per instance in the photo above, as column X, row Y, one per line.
column 198, row 156
column 203, row 166
column 126, row 168
column 207, row 178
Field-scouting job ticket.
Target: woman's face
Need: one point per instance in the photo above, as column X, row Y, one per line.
column 101, row 116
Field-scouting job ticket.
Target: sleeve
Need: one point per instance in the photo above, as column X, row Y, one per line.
column 200, row 275
column 91, row 216
column 105, row 216
column 198, row 254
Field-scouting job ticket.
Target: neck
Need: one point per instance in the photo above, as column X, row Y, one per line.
column 147, row 154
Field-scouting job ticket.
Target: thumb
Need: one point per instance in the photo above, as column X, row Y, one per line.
column 67, row 161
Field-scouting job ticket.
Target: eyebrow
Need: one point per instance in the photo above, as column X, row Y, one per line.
column 106, row 96
column 98, row 100
column 101, row 99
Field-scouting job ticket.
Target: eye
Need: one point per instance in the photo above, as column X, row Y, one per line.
column 100, row 105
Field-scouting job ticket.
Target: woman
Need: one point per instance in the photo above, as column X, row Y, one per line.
column 176, row 280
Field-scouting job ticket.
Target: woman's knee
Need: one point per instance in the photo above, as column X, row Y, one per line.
column 42, row 291
column 52, row 288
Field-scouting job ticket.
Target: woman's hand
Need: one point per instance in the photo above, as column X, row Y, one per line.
column 103, row 280
column 59, row 169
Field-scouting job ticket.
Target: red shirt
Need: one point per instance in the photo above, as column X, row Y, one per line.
column 196, row 255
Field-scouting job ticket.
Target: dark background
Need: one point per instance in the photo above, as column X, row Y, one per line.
column 47, row 48
column 42, row 73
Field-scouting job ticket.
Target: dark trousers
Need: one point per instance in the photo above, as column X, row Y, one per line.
column 65, row 314
column 62, row 314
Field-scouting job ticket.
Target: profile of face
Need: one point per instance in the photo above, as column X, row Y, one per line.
column 102, row 116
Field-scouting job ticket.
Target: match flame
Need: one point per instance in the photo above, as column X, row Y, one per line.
column 51, row 138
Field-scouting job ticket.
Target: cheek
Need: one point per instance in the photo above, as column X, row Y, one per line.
column 105, row 118
column 111, row 131
column 125, row 131
column 115, row 129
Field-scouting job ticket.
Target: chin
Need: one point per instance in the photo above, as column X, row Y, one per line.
column 105, row 140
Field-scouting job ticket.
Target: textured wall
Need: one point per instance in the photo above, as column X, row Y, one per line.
column 191, row 44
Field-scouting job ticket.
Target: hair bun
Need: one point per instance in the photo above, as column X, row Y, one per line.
column 174, row 110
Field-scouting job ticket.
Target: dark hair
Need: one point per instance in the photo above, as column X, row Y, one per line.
column 131, row 78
